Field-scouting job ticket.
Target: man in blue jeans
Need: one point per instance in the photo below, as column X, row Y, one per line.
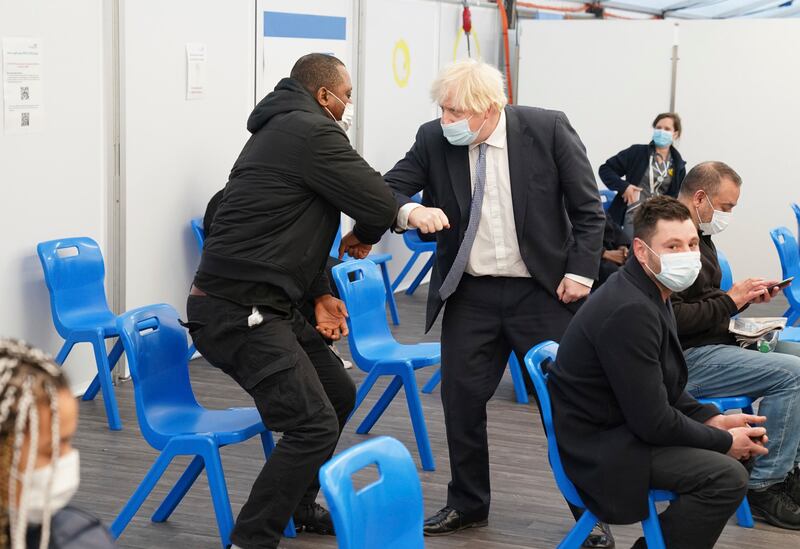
column 719, row 367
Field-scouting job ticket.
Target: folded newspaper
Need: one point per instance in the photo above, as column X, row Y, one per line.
column 749, row 330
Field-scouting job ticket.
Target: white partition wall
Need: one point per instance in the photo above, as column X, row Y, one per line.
column 611, row 78
column 178, row 153
column 53, row 183
column 737, row 93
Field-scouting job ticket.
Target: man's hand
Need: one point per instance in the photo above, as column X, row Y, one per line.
column 331, row 316
column 746, row 291
column 353, row 247
column 748, row 442
column 615, row 256
column 428, row 220
column 771, row 289
column 731, row 421
column 631, row 194
column 569, row 290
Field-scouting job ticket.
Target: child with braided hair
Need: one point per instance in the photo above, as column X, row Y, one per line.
column 39, row 468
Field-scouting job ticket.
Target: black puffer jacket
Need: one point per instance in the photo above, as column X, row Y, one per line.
column 72, row 528
column 280, row 211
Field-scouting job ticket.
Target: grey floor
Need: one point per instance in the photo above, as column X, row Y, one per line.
column 527, row 510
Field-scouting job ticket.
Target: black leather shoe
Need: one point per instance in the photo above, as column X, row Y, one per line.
column 775, row 506
column 792, row 483
column 313, row 518
column 600, row 537
column 449, row 521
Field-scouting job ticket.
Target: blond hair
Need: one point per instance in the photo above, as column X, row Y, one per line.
column 471, row 86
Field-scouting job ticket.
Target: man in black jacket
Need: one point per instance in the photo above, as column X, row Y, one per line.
column 624, row 422
column 519, row 227
column 267, row 251
column 718, row 366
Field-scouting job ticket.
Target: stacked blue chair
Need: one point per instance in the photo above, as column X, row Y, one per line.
column 786, row 244
column 382, row 261
column 386, row 514
column 377, row 353
column 516, row 377
column 534, row 360
column 74, row 273
column 607, row 197
column 172, row 421
column 198, row 231
column 418, row 247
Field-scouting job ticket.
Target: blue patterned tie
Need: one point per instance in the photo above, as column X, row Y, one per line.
column 453, row 277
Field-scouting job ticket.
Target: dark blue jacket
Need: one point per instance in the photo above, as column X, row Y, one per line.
column 632, row 165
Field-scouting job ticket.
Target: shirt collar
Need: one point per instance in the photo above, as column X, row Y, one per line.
column 498, row 136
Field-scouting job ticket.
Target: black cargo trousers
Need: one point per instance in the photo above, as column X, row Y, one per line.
column 300, row 389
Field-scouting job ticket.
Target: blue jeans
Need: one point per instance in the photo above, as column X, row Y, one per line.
column 729, row 370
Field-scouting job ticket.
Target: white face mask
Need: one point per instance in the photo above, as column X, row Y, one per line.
column 719, row 220
column 347, row 116
column 678, row 270
column 65, row 472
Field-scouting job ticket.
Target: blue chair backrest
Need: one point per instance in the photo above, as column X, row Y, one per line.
column 727, row 273
column 796, row 208
column 74, row 273
column 365, row 298
column 386, row 514
column 607, row 196
column 789, row 254
column 534, row 360
column 199, row 233
column 155, row 344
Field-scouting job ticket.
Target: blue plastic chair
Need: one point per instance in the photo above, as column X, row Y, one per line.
column 418, row 247
column 796, row 209
column 74, row 273
column 607, row 197
column 172, row 421
column 789, row 254
column 376, row 352
column 382, row 261
column 727, row 273
column 536, row 357
column 386, row 514
column 199, row 233
column 516, row 377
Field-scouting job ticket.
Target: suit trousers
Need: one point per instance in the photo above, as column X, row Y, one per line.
column 484, row 320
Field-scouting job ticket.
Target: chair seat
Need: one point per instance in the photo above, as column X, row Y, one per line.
column 229, row 426
column 89, row 321
column 420, row 354
column 790, row 333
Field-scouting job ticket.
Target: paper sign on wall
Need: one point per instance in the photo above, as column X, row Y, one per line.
column 23, row 108
column 195, row 70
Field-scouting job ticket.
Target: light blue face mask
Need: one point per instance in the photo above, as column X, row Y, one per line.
column 459, row 134
column 662, row 138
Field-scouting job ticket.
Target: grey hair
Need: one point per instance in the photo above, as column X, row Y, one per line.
column 27, row 377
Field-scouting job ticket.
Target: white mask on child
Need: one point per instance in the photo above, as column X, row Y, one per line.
column 65, row 472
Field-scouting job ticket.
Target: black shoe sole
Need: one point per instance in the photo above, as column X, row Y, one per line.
column 477, row 524
column 759, row 514
column 315, row 530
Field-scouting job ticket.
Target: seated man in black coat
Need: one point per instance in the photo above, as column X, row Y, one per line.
column 625, row 423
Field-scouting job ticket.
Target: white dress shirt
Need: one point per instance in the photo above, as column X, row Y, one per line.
column 495, row 251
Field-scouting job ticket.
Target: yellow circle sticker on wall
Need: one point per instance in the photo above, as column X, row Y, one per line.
column 401, row 63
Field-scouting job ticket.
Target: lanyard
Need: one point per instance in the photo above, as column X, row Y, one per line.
column 662, row 173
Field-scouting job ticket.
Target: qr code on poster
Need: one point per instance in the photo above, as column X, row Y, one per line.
column 26, row 119
column 24, row 93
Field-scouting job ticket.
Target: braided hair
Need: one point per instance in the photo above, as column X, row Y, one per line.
column 29, row 378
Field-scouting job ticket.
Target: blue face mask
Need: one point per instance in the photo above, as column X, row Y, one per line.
column 662, row 138
column 459, row 134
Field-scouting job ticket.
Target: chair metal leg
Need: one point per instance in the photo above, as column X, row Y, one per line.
column 409, row 264
column 365, row 387
column 432, row 382
column 575, row 538
column 516, row 376
column 652, row 528
column 219, row 493
column 390, row 294
column 142, row 491
column 69, row 343
column 179, row 490
column 104, row 373
column 418, row 419
column 744, row 517
column 421, row 275
column 268, row 444
column 380, row 406
column 113, row 358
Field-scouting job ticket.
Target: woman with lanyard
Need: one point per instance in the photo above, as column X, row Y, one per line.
column 648, row 170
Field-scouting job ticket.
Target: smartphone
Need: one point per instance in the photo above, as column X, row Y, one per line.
column 783, row 283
